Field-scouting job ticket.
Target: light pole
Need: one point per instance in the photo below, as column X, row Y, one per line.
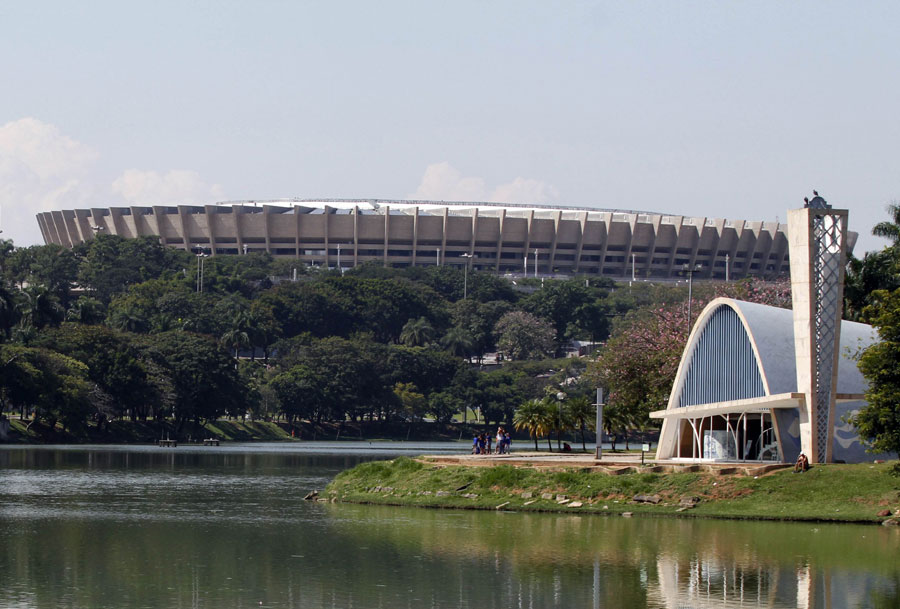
column 200, row 257
column 466, row 274
column 526, row 264
column 438, row 258
column 535, row 262
column 559, row 400
column 599, row 452
column 690, row 270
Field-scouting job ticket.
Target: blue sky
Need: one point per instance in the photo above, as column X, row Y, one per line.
column 719, row 109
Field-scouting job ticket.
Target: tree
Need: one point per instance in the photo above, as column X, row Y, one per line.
column 524, row 336
column 457, row 341
column 39, row 307
column 890, row 229
column 879, row 420
column 204, row 381
column 583, row 414
column 417, row 333
column 537, row 417
column 572, row 308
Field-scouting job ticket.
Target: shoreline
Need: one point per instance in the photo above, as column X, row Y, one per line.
column 826, row 493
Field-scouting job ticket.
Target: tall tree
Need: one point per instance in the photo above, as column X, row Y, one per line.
column 524, row 336
column 890, row 229
column 536, row 417
column 879, row 420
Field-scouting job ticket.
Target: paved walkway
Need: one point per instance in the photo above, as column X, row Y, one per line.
column 613, row 463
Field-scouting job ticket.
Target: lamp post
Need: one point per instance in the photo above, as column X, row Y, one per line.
column 599, row 451
column 559, row 400
column 690, row 270
column 200, row 257
column 438, row 257
column 535, row 261
column 466, row 274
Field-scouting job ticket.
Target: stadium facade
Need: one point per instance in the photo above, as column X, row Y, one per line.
column 504, row 238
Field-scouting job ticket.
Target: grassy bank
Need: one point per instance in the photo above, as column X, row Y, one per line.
column 852, row 493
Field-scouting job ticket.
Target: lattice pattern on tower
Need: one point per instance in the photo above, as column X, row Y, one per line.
column 826, row 275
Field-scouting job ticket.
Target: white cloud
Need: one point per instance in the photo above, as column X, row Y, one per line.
column 443, row 182
column 42, row 169
column 177, row 186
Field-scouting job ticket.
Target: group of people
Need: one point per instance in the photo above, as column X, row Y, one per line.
column 486, row 444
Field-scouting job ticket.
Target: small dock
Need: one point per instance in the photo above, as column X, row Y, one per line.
column 211, row 442
column 167, row 443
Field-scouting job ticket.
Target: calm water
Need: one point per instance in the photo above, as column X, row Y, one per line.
column 225, row 527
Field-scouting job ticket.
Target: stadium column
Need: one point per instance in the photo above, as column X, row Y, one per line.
column 607, row 224
column 163, row 240
column 719, row 225
column 679, row 222
column 529, row 221
column 764, row 261
column 818, row 255
column 582, row 226
column 237, row 211
column 297, row 231
column 326, row 221
column 474, row 233
column 387, row 230
column 655, row 221
column 500, row 240
column 185, row 237
column 699, row 235
column 738, row 235
column 415, row 234
column 556, row 222
column 210, row 212
column 267, row 226
column 443, row 254
column 355, row 236
column 632, row 223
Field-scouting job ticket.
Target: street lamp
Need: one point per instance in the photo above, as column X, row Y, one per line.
column 535, row 261
column 200, row 256
column 599, row 453
column 559, row 400
column 690, row 270
column 466, row 274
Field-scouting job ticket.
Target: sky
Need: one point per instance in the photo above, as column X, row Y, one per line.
column 719, row 109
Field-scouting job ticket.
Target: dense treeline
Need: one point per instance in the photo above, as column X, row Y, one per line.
column 126, row 328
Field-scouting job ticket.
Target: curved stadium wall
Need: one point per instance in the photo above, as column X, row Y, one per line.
column 500, row 237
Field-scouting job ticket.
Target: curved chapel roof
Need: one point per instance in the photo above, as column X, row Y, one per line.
column 758, row 341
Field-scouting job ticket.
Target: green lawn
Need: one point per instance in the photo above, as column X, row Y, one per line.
column 826, row 492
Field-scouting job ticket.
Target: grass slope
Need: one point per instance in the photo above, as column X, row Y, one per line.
column 826, row 492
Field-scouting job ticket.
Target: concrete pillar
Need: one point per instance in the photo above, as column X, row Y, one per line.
column 817, row 237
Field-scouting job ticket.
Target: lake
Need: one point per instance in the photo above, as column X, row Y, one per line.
column 227, row 527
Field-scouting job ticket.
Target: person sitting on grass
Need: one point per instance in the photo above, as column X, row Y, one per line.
column 802, row 464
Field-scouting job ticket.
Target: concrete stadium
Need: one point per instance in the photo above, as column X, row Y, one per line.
column 498, row 237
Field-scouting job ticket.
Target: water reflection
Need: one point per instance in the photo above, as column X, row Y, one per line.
column 150, row 528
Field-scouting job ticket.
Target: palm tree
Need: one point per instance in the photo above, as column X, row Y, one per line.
column 457, row 341
column 417, row 333
column 237, row 336
column 582, row 413
column 537, row 418
column 40, row 307
column 890, row 230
